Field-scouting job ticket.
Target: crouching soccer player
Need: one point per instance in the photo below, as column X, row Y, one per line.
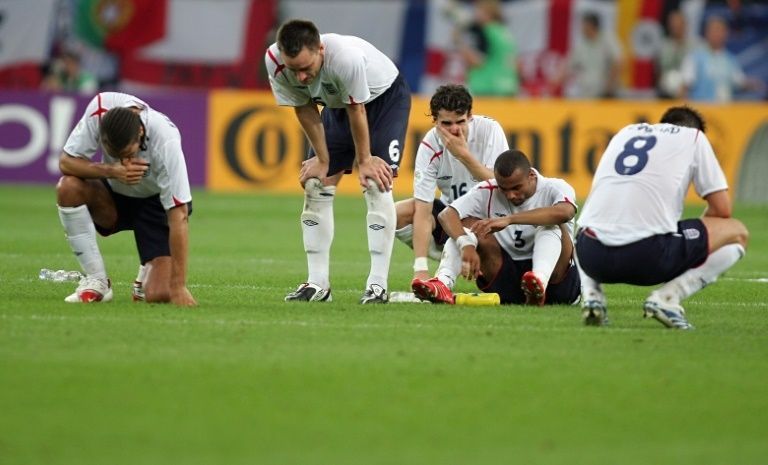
column 141, row 185
column 629, row 229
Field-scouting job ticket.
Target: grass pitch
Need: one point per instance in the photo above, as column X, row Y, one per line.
column 246, row 378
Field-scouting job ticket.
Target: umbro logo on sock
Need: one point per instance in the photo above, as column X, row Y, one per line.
column 376, row 227
column 77, row 254
column 310, row 222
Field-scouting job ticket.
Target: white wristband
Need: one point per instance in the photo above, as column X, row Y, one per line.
column 465, row 240
column 420, row 264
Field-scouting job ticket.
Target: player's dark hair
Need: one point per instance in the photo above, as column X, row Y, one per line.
column 684, row 116
column 296, row 34
column 450, row 97
column 119, row 128
column 509, row 161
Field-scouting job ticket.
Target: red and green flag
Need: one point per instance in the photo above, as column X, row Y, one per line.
column 121, row 25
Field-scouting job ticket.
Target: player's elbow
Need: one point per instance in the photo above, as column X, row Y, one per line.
column 560, row 218
column 563, row 214
column 446, row 216
column 65, row 162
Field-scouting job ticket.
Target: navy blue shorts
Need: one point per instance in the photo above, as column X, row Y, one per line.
column 438, row 234
column 148, row 220
column 506, row 283
column 387, row 123
column 647, row 262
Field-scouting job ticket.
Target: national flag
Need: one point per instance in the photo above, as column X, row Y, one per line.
column 206, row 43
column 640, row 34
column 120, row 25
column 25, row 41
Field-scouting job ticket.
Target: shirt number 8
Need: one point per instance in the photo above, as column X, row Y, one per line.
column 633, row 159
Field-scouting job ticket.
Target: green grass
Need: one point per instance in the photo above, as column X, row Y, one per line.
column 248, row 379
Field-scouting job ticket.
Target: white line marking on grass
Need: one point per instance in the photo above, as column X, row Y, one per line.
column 750, row 280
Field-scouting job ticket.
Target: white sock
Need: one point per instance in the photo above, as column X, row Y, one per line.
column 142, row 274
column 547, row 247
column 590, row 289
column 380, row 221
column 81, row 235
column 697, row 278
column 405, row 235
column 450, row 262
column 317, row 229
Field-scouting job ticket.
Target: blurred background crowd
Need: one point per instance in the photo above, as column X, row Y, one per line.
column 710, row 51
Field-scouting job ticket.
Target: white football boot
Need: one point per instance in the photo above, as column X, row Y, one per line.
column 669, row 314
column 594, row 311
column 91, row 289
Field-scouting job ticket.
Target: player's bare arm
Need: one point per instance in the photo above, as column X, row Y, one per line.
column 556, row 214
column 368, row 166
column 457, row 146
column 470, row 260
column 179, row 245
column 718, row 205
column 130, row 171
column 317, row 166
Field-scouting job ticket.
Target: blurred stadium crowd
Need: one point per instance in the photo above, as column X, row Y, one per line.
column 713, row 51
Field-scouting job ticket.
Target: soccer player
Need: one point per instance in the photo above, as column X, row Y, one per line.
column 455, row 155
column 520, row 243
column 630, row 229
column 367, row 103
column 140, row 185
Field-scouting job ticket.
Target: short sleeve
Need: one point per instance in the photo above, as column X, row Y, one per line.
column 708, row 176
column 426, row 168
column 83, row 141
column 172, row 176
column 285, row 94
column 476, row 202
column 352, row 75
column 497, row 144
column 560, row 191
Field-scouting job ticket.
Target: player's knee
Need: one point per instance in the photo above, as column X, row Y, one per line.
column 405, row 235
column 373, row 194
column 404, row 209
column 315, row 190
column 156, row 293
column 742, row 234
column 70, row 191
column 552, row 230
column 487, row 243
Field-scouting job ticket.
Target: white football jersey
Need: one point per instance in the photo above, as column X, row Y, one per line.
column 436, row 167
column 167, row 174
column 486, row 200
column 640, row 184
column 353, row 71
